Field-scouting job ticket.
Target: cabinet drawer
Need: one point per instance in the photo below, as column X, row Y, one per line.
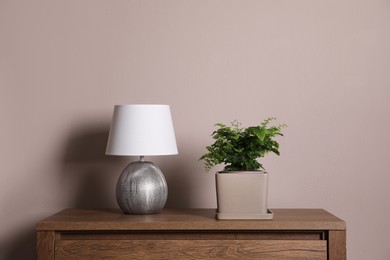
column 191, row 249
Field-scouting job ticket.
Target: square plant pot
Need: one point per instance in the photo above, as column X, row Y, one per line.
column 242, row 195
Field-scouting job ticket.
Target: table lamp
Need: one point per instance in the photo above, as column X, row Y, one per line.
column 141, row 130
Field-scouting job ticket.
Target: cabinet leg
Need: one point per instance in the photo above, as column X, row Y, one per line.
column 45, row 245
column 337, row 245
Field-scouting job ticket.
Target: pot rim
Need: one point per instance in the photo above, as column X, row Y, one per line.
column 243, row 172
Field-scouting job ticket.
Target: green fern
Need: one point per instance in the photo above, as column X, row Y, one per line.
column 239, row 148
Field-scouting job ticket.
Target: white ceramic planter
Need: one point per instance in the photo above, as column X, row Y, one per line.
column 242, row 195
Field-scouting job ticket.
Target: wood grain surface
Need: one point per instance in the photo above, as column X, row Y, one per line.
column 189, row 219
column 192, row 249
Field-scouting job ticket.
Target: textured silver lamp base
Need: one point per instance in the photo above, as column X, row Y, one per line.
column 141, row 189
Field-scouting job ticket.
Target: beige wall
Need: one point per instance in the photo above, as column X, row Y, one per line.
column 322, row 67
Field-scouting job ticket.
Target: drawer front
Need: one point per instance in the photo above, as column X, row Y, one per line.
column 191, row 249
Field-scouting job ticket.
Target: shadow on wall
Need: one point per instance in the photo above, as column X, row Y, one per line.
column 180, row 180
column 21, row 247
column 87, row 171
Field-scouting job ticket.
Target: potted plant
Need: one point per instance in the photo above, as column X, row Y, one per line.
column 242, row 187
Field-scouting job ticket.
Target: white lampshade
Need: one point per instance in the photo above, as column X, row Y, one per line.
column 139, row 130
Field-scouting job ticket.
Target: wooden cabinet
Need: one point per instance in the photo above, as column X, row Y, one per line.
column 190, row 234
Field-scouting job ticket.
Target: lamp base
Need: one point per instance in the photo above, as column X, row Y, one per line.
column 141, row 189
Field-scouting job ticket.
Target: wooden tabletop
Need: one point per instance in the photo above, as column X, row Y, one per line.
column 187, row 219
